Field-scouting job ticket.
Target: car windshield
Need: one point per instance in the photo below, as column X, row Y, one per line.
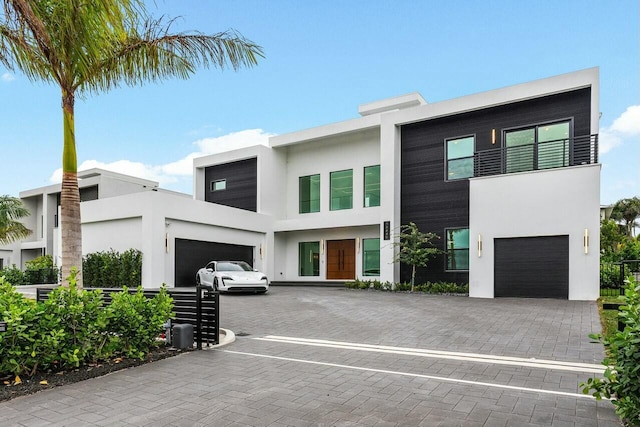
column 233, row 266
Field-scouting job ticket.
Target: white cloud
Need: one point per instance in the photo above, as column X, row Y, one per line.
column 629, row 122
column 8, row 77
column 624, row 126
column 215, row 145
column 608, row 140
column 182, row 169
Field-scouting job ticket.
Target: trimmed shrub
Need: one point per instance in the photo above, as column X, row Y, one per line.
column 136, row 320
column 18, row 345
column 41, row 270
column 429, row 287
column 14, row 275
column 621, row 380
column 74, row 327
column 112, row 269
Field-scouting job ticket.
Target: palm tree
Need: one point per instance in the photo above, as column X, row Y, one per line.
column 94, row 46
column 11, row 229
column 627, row 211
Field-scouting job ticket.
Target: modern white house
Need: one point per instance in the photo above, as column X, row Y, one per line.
column 509, row 179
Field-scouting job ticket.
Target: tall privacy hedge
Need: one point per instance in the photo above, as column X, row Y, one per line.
column 112, row 269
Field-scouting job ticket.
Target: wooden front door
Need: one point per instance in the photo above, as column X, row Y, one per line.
column 341, row 259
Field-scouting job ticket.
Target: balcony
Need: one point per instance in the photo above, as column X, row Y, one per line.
column 579, row 150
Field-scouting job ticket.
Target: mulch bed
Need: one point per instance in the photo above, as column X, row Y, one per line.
column 47, row 380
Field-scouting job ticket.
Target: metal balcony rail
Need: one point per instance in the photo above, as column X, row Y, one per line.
column 579, row 150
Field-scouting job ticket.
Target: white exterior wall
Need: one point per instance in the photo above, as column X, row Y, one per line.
column 286, row 248
column 151, row 221
column 562, row 201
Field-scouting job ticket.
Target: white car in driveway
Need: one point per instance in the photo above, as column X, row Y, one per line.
column 232, row 276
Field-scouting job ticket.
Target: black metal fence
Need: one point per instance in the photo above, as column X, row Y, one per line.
column 200, row 309
column 613, row 275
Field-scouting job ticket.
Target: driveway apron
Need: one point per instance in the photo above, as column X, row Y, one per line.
column 309, row 356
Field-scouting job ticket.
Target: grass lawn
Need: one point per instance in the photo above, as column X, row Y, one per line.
column 608, row 318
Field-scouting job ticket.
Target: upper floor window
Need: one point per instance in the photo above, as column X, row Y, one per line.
column 372, row 186
column 341, row 190
column 537, row 147
column 219, row 185
column 309, row 193
column 460, row 157
column 457, row 250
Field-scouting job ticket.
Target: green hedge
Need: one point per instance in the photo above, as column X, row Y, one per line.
column 621, row 381
column 112, row 269
column 74, row 327
column 428, row 288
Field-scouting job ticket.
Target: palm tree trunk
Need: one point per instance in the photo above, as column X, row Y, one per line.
column 70, row 197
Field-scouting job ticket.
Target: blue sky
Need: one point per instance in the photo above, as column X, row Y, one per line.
column 323, row 59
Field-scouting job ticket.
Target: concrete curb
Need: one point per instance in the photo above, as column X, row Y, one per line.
column 227, row 336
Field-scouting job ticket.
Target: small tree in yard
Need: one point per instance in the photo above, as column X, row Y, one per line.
column 415, row 248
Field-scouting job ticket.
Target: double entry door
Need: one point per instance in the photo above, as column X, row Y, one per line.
column 341, row 259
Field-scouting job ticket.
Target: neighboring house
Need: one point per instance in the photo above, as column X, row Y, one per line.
column 121, row 212
column 509, row 179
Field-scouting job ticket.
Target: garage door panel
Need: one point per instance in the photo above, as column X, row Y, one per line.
column 532, row 267
column 191, row 255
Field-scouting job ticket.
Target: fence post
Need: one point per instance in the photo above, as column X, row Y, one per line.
column 199, row 317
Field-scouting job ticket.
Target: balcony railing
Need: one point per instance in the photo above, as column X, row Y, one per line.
column 579, row 150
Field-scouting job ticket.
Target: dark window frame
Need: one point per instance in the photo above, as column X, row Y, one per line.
column 447, row 159
column 535, row 127
column 447, row 251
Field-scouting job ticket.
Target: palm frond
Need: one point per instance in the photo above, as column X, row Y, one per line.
column 155, row 54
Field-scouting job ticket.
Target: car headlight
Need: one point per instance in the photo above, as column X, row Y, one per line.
column 264, row 278
column 227, row 278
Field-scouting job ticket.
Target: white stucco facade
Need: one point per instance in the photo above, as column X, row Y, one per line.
column 542, row 203
column 133, row 213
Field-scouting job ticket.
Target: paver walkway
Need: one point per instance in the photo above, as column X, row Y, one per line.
column 331, row 356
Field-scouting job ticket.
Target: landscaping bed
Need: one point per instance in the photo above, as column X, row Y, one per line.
column 47, row 380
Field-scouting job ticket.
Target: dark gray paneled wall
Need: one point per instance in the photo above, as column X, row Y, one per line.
column 242, row 184
column 435, row 204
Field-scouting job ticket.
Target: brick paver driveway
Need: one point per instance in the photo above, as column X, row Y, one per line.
column 331, row 356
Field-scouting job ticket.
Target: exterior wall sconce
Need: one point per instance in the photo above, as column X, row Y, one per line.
column 493, row 136
column 357, row 245
column 261, row 253
column 585, row 241
column 321, row 246
column 166, row 242
column 479, row 245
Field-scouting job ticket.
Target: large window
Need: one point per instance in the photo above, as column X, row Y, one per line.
column 460, row 157
column 538, row 147
column 370, row 257
column 309, row 193
column 341, row 190
column 457, row 250
column 309, row 258
column 372, row 186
